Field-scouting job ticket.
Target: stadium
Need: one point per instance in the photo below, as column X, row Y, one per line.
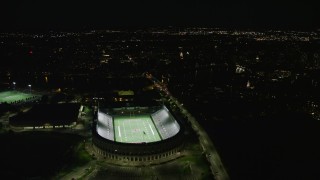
column 137, row 134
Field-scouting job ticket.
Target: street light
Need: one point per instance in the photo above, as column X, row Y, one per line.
column 29, row 87
column 14, row 85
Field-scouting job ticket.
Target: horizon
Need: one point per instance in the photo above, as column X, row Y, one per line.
column 132, row 29
column 22, row 15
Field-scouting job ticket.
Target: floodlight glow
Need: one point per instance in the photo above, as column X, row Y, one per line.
column 14, row 83
column 138, row 128
column 29, row 85
column 105, row 126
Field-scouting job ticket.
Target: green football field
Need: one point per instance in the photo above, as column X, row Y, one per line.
column 12, row 96
column 135, row 129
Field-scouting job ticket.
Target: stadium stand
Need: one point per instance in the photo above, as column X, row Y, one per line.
column 165, row 123
column 105, row 126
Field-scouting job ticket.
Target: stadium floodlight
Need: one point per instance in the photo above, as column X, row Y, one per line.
column 14, row 85
column 29, row 87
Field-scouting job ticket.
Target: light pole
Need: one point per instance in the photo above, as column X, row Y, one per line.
column 29, row 87
column 14, row 85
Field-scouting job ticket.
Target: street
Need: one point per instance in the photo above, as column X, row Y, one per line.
column 209, row 149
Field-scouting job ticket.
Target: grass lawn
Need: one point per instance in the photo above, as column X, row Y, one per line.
column 135, row 129
column 40, row 155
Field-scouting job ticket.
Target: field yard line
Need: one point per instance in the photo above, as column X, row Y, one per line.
column 124, row 131
column 119, row 131
column 151, row 129
column 140, row 129
column 137, row 127
column 7, row 97
column 146, row 130
column 132, row 138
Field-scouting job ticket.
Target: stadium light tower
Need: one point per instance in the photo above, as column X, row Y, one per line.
column 29, row 87
column 14, row 85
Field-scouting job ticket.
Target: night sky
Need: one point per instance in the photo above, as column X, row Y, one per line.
column 75, row 14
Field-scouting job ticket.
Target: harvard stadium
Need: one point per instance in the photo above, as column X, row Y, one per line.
column 137, row 134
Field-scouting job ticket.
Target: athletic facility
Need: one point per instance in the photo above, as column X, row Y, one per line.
column 15, row 97
column 47, row 116
column 137, row 133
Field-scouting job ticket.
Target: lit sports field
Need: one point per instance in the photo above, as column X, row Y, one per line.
column 135, row 129
column 12, row 96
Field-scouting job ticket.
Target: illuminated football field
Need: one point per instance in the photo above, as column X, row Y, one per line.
column 12, row 96
column 135, row 129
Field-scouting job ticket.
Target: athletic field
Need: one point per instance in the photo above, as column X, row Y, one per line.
column 12, row 96
column 135, row 129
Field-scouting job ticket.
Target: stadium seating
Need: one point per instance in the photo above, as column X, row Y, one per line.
column 105, row 126
column 165, row 123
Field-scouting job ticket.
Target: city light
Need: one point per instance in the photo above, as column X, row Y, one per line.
column 206, row 78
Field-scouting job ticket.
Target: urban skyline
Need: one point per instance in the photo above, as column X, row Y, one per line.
column 159, row 90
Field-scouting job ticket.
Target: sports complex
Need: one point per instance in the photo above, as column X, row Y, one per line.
column 16, row 97
column 137, row 134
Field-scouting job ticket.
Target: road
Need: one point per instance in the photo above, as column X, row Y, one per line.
column 207, row 145
column 80, row 172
